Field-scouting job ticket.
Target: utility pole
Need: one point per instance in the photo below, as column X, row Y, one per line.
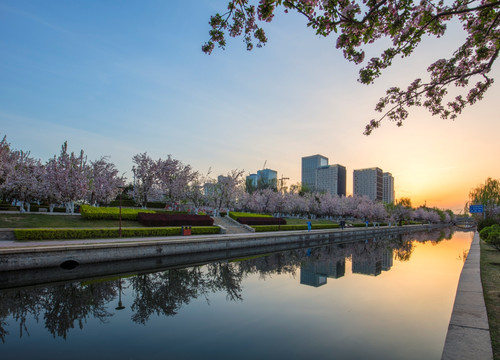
column 282, row 180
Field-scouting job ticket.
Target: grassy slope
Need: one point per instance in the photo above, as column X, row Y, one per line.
column 30, row 221
column 490, row 276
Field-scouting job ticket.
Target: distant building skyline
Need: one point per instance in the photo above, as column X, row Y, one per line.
column 318, row 175
column 265, row 178
column 388, row 191
column 310, row 164
column 332, row 179
column 369, row 182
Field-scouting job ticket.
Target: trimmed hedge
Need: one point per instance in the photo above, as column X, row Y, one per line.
column 264, row 228
column 110, row 213
column 127, row 203
column 235, row 215
column 369, row 225
column 174, row 220
column 261, row 221
column 53, row 234
column 156, row 205
column 8, row 207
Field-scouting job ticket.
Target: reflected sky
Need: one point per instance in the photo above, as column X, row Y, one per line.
column 376, row 299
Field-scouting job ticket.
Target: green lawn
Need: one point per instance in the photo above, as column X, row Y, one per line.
column 29, row 221
column 490, row 276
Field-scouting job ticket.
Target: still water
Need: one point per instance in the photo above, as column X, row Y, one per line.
column 372, row 299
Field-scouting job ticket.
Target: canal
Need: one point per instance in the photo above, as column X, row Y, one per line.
column 379, row 298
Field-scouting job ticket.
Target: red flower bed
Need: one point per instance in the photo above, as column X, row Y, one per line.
column 261, row 221
column 174, row 219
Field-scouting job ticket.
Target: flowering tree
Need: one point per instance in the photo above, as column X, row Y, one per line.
column 174, row 179
column 24, row 181
column 66, row 178
column 227, row 190
column 400, row 211
column 104, row 182
column 8, row 159
column 194, row 192
column 404, row 22
column 145, row 177
column 266, row 201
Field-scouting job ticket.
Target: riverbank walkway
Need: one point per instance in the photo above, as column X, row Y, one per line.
column 469, row 333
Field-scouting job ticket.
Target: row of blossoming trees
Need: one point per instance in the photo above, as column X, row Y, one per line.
column 335, row 208
column 69, row 178
column 63, row 179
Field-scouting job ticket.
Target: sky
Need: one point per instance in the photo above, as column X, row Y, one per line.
column 119, row 78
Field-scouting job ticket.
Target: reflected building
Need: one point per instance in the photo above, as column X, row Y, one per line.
column 373, row 265
column 316, row 273
column 387, row 260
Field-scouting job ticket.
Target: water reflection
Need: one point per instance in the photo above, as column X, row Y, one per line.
column 65, row 306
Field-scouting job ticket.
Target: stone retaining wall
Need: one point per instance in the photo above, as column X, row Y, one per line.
column 36, row 257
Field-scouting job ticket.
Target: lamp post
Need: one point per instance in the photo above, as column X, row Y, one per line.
column 120, row 227
column 120, row 304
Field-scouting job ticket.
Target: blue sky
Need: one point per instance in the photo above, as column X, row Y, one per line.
column 118, row 78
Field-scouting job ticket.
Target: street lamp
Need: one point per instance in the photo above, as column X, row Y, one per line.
column 120, row 304
column 120, row 227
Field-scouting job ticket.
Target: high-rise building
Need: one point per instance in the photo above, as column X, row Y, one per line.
column 332, row 179
column 369, row 182
column 310, row 164
column 388, row 195
column 252, row 180
column 267, row 178
column 264, row 179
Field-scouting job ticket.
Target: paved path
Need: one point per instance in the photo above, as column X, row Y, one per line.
column 231, row 226
column 469, row 333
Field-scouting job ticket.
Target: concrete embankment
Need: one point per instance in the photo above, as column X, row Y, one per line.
column 70, row 254
column 468, row 334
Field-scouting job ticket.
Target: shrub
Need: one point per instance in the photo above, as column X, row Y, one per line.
column 127, row 203
column 53, row 234
column 156, row 205
column 110, row 213
column 491, row 235
column 171, row 212
column 485, row 223
column 236, row 215
column 8, row 207
column 261, row 221
column 485, row 232
column 174, row 220
column 265, row 228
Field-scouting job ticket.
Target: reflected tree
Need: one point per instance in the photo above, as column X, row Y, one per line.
column 71, row 303
column 164, row 293
column 63, row 307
